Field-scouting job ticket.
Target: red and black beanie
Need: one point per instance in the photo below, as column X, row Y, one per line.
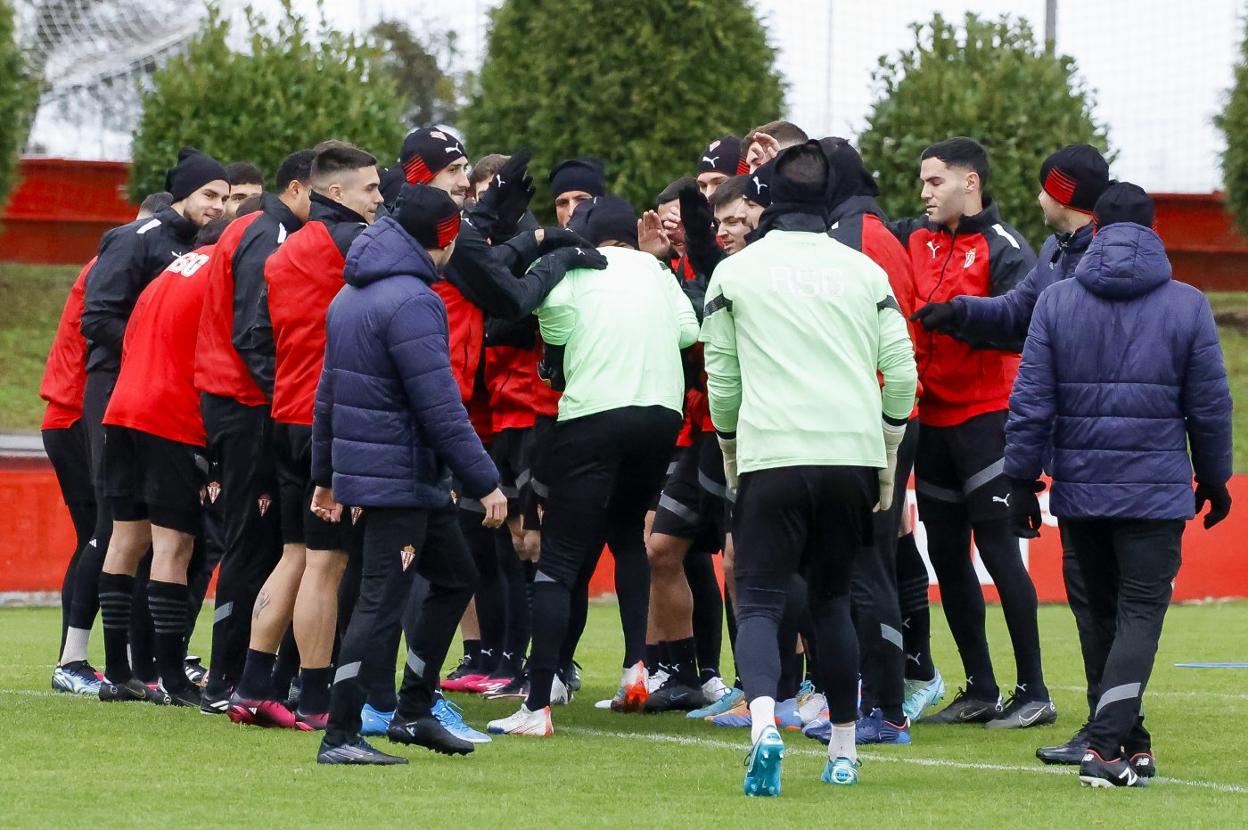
column 428, row 214
column 723, row 155
column 1075, row 176
column 426, row 151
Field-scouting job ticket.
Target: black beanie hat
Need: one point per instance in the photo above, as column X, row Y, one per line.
column 809, row 191
column 1075, row 176
column 193, row 171
column 585, row 174
column 426, row 151
column 1124, row 202
column 392, row 180
column 603, row 218
column 848, row 175
column 758, row 184
column 430, row 215
column 723, row 155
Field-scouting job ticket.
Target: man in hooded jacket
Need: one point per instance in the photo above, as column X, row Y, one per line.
column 1121, row 392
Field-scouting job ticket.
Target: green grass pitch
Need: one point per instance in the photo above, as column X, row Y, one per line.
column 67, row 762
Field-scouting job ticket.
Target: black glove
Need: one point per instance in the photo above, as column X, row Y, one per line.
column 508, row 195
column 550, row 367
column 564, row 259
column 1219, row 499
column 554, row 238
column 945, row 318
column 695, row 214
column 1025, row 518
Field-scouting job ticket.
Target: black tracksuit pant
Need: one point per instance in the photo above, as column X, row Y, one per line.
column 1128, row 567
column 240, row 449
column 811, row 521
column 962, row 491
column 602, row 472
column 70, row 456
column 875, row 601
column 439, row 554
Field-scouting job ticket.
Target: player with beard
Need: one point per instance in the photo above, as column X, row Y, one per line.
column 130, row 257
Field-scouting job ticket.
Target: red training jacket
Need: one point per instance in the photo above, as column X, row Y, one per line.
column 303, row 277
column 219, row 370
column 984, row 258
column 155, row 391
column 65, row 373
column 517, row 394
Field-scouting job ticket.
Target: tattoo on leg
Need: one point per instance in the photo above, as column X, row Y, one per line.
column 262, row 602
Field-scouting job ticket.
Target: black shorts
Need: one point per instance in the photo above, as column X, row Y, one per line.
column 693, row 502
column 300, row 526
column 511, row 450
column 534, row 501
column 810, row 520
column 149, row 477
column 964, row 465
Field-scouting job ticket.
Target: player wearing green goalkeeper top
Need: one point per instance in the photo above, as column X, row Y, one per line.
column 796, row 328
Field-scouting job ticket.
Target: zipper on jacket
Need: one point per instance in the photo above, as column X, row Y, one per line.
column 931, row 335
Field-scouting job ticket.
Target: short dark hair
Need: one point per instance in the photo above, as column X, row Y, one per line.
column 211, row 232
column 243, row 172
column 803, row 165
column 249, row 205
column 784, row 132
column 297, row 167
column 157, row 201
column 336, row 156
column 729, row 191
column 486, row 167
column 672, row 192
column 965, row 153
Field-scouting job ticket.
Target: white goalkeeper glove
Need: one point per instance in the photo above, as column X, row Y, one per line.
column 729, row 448
column 892, row 440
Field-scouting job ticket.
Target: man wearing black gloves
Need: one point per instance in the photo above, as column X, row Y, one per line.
column 243, row 490
column 388, row 423
column 1122, row 391
column 1071, row 180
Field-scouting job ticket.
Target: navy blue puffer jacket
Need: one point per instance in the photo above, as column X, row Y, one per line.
column 388, row 420
column 1122, row 369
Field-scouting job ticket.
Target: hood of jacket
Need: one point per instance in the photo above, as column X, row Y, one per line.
column 1124, row 261
column 385, row 250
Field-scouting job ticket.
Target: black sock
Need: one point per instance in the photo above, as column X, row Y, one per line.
column 893, row 714
column 257, row 680
column 287, row 667
column 116, row 600
column 706, row 676
column 682, row 656
column 916, row 629
column 314, row 686
column 167, row 601
column 472, row 650
column 654, row 656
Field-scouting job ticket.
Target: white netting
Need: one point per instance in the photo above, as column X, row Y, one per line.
column 1159, row 69
column 92, row 55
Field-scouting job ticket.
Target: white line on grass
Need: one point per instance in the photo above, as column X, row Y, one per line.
column 709, row 743
column 922, row 762
column 1194, row 693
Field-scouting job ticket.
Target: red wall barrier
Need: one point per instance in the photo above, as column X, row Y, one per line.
column 37, row 539
column 61, row 207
